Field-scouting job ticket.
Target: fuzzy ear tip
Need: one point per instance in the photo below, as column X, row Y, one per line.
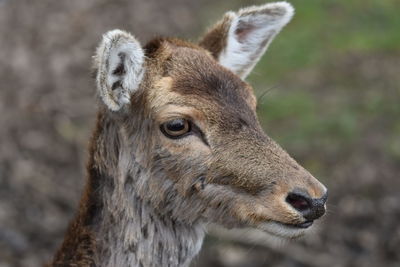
column 283, row 11
column 111, row 38
column 287, row 7
column 110, row 35
column 116, row 34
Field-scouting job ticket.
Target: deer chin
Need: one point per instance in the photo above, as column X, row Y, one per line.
column 284, row 230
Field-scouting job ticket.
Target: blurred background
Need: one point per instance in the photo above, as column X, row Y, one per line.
column 329, row 93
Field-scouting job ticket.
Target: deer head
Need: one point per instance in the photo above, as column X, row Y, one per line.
column 188, row 140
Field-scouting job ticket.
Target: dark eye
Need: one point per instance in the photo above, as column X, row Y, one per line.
column 175, row 128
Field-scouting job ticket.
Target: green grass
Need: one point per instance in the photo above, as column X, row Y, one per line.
column 324, row 29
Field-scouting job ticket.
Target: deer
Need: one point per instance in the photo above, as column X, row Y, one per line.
column 177, row 145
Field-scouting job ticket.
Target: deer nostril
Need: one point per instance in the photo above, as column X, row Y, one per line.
column 311, row 209
column 299, row 201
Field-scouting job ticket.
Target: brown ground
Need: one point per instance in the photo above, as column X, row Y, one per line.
column 47, row 111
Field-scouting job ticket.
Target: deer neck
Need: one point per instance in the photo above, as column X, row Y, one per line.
column 115, row 226
column 131, row 233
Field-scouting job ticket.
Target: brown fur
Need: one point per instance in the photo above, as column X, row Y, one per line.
column 215, row 39
column 146, row 191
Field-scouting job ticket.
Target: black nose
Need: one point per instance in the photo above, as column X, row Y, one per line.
column 310, row 208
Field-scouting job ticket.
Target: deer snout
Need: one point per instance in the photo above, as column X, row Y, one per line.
column 310, row 208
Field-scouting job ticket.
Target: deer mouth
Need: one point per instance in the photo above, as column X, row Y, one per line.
column 285, row 230
column 303, row 225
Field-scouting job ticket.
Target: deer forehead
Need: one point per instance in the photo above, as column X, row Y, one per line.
column 194, row 79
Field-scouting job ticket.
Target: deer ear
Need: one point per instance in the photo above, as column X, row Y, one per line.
column 240, row 39
column 119, row 61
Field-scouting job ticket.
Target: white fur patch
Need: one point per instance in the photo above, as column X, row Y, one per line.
column 281, row 230
column 118, row 50
column 263, row 23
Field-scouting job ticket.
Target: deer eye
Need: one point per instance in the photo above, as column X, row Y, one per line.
column 175, row 128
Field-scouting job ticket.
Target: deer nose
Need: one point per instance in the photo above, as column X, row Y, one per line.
column 310, row 208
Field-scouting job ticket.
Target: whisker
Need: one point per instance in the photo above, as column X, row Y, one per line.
column 263, row 94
